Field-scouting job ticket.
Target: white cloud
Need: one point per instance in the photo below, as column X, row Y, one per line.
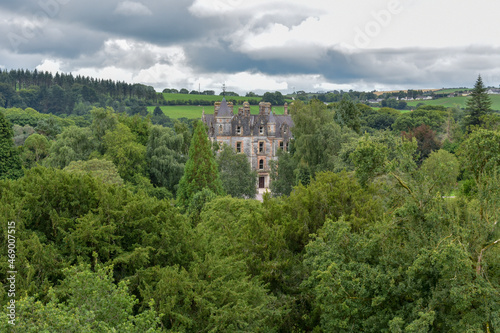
column 132, row 8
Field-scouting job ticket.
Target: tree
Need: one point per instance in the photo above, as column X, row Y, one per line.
column 238, row 179
column 426, row 140
column 369, row 159
column 85, row 301
column 73, row 144
column 479, row 104
column 347, row 114
column 10, row 162
column 165, row 157
column 102, row 169
column 201, row 169
column 282, row 174
column 35, row 148
column 480, row 153
column 126, row 153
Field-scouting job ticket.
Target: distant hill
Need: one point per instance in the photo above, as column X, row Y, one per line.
column 378, row 93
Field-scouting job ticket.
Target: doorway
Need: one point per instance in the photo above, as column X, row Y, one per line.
column 261, row 182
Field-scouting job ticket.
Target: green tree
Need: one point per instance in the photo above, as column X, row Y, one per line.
column 85, row 301
column 238, row 179
column 480, row 153
column 201, row 169
column 35, row 148
column 102, row 169
column 347, row 114
column 128, row 155
column 73, row 144
column 165, row 157
column 478, row 104
column 10, row 162
column 369, row 159
column 282, row 174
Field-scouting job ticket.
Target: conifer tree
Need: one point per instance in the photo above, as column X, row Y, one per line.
column 10, row 162
column 201, row 168
column 347, row 114
column 478, row 105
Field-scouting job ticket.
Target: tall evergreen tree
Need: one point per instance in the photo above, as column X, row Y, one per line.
column 478, row 105
column 201, row 168
column 10, row 162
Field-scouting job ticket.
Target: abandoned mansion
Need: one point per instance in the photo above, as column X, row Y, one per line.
column 258, row 136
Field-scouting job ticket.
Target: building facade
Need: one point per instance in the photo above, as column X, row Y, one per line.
column 257, row 136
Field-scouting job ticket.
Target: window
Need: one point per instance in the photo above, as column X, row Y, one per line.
column 238, row 147
column 261, row 130
column 261, row 147
column 220, row 129
column 238, row 130
column 261, row 164
column 284, row 130
column 281, row 145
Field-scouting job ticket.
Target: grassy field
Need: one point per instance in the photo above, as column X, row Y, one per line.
column 211, row 98
column 456, row 101
column 193, row 112
column 451, row 90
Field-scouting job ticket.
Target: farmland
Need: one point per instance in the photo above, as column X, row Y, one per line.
column 194, row 111
column 211, row 98
column 456, row 101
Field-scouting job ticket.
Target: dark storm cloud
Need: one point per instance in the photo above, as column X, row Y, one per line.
column 84, row 25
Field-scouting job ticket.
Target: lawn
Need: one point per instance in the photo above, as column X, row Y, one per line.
column 451, row 90
column 193, row 112
column 211, row 98
column 456, row 101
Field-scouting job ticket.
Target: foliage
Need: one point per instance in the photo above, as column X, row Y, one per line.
column 282, row 174
column 165, row 157
column 480, row 152
column 369, row 159
column 102, row 169
column 73, row 144
column 10, row 162
column 347, row 114
column 201, row 169
column 85, row 301
column 478, row 104
column 35, row 148
column 426, row 141
column 127, row 154
column 409, row 121
column 238, row 179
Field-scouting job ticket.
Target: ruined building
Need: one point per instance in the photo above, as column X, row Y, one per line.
column 258, row 136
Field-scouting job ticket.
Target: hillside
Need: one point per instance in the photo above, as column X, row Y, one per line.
column 456, row 101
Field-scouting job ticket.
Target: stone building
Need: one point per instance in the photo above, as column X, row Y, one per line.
column 258, row 136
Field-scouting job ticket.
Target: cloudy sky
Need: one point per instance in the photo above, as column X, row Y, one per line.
column 258, row 45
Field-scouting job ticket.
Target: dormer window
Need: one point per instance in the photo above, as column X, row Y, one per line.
column 238, row 130
column 261, row 130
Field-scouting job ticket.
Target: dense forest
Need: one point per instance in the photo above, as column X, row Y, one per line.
column 377, row 221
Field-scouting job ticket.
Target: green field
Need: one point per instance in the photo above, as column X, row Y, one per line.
column 456, row 101
column 211, row 98
column 193, row 112
column 451, row 90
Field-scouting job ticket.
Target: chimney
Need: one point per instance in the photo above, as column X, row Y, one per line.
column 286, row 109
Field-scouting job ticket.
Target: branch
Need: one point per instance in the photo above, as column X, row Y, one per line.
column 480, row 257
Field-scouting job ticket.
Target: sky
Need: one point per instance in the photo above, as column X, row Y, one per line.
column 258, row 45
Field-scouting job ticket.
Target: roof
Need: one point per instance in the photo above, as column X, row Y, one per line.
column 224, row 110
